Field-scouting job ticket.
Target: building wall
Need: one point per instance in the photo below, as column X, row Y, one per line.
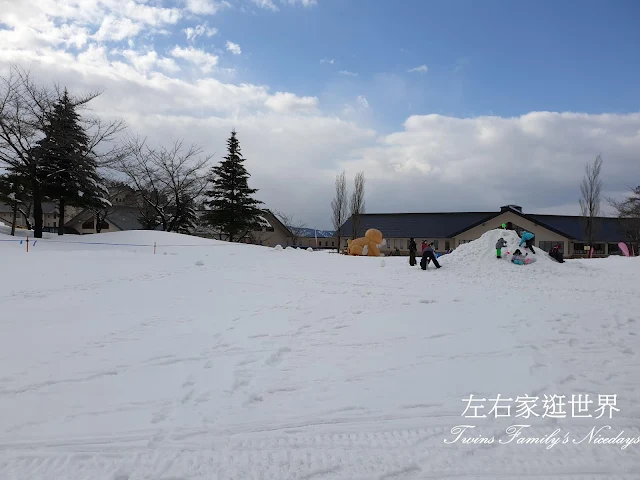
column 271, row 239
column 541, row 233
column 49, row 220
column 86, row 231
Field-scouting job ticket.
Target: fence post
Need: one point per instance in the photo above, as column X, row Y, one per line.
column 27, row 243
column 154, row 248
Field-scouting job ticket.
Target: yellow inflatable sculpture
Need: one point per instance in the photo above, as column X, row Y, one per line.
column 369, row 245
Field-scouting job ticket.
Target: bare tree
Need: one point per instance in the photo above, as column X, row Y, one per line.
column 357, row 206
column 628, row 211
column 297, row 227
column 169, row 181
column 591, row 190
column 25, row 108
column 340, row 206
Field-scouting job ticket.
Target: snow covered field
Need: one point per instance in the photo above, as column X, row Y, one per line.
column 216, row 361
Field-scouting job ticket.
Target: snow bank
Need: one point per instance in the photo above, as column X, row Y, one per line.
column 258, row 365
column 137, row 241
column 482, row 252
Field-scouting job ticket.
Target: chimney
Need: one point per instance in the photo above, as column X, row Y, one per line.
column 511, row 207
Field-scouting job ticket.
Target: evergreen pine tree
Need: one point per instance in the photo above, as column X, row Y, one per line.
column 233, row 210
column 68, row 169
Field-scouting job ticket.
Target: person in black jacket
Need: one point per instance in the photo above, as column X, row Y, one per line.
column 428, row 255
column 556, row 254
column 413, row 248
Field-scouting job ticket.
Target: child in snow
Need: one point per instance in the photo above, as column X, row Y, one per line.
column 428, row 255
column 500, row 244
column 556, row 253
column 528, row 239
column 518, row 258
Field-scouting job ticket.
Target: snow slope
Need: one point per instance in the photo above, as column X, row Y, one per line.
column 211, row 360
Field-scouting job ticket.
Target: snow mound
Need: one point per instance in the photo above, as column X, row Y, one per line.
column 483, row 250
column 199, row 263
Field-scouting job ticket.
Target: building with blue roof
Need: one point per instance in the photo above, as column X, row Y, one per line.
column 448, row 230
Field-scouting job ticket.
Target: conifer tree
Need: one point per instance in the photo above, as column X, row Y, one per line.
column 234, row 211
column 68, row 169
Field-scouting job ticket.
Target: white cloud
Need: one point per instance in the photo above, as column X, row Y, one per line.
column 304, row 3
column 206, row 7
column 201, row 59
column 347, row 73
column 283, row 102
column 271, row 5
column 420, row 69
column 535, row 160
column 362, row 101
column 266, row 4
column 327, row 60
column 193, row 33
column 234, row 48
column 117, row 29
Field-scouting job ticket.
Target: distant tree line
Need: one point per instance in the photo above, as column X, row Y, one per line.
column 51, row 150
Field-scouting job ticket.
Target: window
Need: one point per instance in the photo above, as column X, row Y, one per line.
column 435, row 244
column 548, row 245
column 614, row 249
column 463, row 241
column 104, row 225
column 579, row 249
column 447, row 245
column 88, row 225
column 333, row 244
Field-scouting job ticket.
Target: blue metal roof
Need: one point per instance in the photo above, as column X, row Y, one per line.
column 607, row 229
column 447, row 225
column 417, row 225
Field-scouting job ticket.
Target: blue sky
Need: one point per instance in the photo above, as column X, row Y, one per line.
column 483, row 57
column 510, row 101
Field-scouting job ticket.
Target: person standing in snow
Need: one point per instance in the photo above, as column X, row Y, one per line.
column 428, row 255
column 500, row 244
column 413, row 249
column 528, row 239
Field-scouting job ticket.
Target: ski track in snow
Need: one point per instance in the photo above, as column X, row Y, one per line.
column 295, row 365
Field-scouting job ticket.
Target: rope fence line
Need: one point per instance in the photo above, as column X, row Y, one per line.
column 155, row 245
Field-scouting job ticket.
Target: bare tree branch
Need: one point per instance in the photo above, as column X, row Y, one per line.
column 340, row 206
column 628, row 211
column 591, row 190
column 357, row 204
column 169, row 180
